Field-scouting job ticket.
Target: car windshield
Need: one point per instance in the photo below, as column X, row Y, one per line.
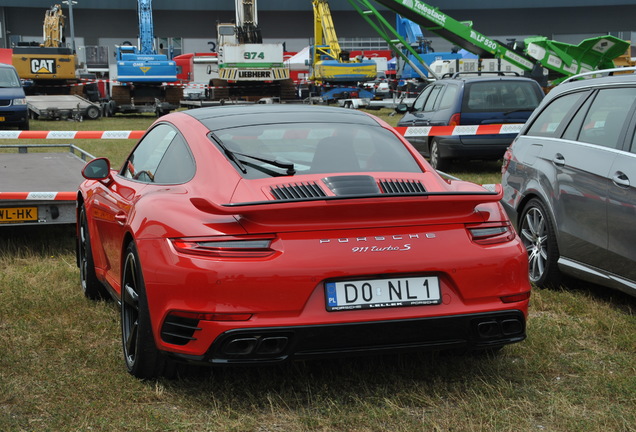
column 488, row 96
column 269, row 150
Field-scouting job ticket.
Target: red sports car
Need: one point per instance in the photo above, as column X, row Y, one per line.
column 265, row 233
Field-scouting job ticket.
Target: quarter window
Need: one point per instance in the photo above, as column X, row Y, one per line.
column 606, row 117
column 548, row 122
column 162, row 156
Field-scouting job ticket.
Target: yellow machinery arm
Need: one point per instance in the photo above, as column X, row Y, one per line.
column 54, row 22
column 325, row 39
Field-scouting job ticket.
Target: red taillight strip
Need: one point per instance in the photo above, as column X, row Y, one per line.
column 225, row 247
column 212, row 316
column 516, row 297
column 486, row 234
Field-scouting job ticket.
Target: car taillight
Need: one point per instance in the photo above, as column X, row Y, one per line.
column 516, row 297
column 487, row 234
column 506, row 160
column 207, row 316
column 225, row 247
column 454, row 120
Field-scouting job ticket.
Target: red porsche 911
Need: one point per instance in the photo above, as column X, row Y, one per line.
column 266, row 233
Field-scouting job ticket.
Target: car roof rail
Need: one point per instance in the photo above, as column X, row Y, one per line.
column 601, row 72
column 479, row 73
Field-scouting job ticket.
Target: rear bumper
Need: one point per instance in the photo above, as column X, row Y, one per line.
column 481, row 147
column 279, row 344
column 14, row 116
column 456, row 147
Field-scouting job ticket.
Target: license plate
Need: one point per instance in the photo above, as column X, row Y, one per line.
column 18, row 214
column 382, row 293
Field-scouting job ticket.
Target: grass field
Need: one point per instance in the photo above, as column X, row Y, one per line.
column 61, row 367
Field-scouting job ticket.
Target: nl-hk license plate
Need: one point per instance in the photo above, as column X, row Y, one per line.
column 380, row 293
column 18, row 214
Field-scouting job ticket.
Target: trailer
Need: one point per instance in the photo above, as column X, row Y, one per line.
column 62, row 107
column 39, row 183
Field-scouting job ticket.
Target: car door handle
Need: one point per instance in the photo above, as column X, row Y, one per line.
column 558, row 160
column 120, row 218
column 620, row 179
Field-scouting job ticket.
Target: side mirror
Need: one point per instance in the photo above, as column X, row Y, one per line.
column 401, row 108
column 97, row 169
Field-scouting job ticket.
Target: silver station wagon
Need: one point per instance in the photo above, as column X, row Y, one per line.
column 569, row 182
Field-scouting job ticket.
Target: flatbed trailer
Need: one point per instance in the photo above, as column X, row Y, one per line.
column 38, row 185
column 56, row 107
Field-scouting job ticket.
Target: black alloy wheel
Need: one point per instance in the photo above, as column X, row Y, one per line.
column 92, row 287
column 143, row 359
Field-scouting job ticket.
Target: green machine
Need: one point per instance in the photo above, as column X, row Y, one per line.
column 538, row 55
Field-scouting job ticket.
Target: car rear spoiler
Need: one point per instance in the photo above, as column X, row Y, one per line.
column 442, row 207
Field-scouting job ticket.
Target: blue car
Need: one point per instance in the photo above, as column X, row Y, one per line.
column 13, row 103
column 464, row 100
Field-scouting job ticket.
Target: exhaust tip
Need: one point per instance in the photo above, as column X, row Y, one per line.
column 240, row 346
column 257, row 346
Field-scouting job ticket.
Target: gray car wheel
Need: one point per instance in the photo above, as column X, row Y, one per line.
column 436, row 161
column 538, row 236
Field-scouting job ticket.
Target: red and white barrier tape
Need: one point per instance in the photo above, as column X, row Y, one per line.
column 39, row 196
column 71, row 134
column 493, row 129
column 411, row 131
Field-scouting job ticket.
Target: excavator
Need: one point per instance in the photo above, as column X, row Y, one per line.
column 335, row 74
column 248, row 68
column 142, row 75
column 49, row 66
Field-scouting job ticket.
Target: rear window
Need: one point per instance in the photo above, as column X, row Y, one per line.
column 268, row 150
column 513, row 95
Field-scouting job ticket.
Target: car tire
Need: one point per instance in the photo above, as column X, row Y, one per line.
column 92, row 287
column 538, row 235
column 143, row 359
column 436, row 161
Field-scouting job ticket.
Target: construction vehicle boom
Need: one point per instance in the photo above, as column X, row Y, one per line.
column 337, row 75
column 143, row 75
column 48, row 67
column 538, row 58
column 248, row 68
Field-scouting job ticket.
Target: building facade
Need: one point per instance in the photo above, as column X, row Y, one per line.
column 190, row 25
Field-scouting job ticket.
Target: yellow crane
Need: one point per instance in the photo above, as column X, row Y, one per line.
column 330, row 64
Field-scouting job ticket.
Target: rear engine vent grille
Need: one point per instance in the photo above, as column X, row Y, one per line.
column 298, row 191
column 401, row 186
